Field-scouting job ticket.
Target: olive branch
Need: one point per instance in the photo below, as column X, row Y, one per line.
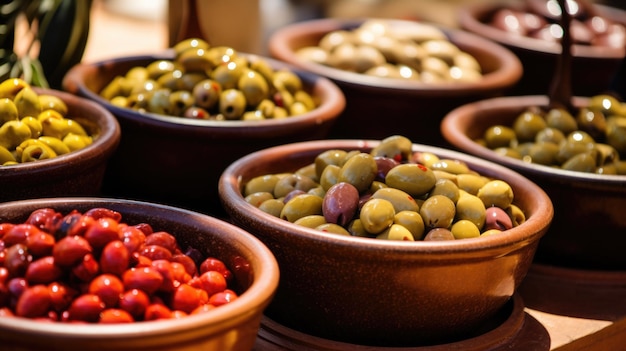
column 41, row 39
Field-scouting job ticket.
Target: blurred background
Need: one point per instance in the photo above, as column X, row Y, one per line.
column 123, row 27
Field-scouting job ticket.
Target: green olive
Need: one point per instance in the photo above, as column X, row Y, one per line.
column 57, row 145
column 396, row 147
column 8, row 111
column 527, row 125
column 9, row 88
column 272, row 206
column 179, row 102
column 159, row 67
column 232, row 104
column 446, row 187
column 76, row 141
column 438, row 211
column 451, row 166
column 396, row 232
column 400, row 200
column 376, row 215
column 159, row 101
column 329, row 176
column 359, row 170
column 464, row 229
column 312, row 221
column 496, row 193
column 291, row 182
column 6, row 157
column 562, row 120
column 27, row 102
column 355, row 228
column 472, row 208
column 190, row 43
column 583, row 162
column 471, row 182
column 256, row 199
column 499, row 136
column 415, row 179
column 300, row 206
column 333, row 228
column 227, row 75
column 412, row 221
column 263, row 183
column 254, row 87
column 616, row 133
column 195, row 60
column 47, row 101
column 591, row 121
column 13, row 133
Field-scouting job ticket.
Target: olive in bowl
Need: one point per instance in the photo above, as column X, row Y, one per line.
column 82, row 307
column 374, row 291
column 52, row 143
column 531, row 30
column 378, row 105
column 167, row 157
column 587, row 203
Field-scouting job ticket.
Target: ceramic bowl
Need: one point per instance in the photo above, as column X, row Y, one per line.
column 594, row 68
column 378, row 107
column 380, row 292
column 179, row 160
column 228, row 327
column 80, row 172
column 585, row 204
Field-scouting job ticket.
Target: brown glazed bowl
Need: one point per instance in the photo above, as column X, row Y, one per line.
column 232, row 326
column 594, row 68
column 179, row 160
column 381, row 292
column 379, row 107
column 78, row 173
column 589, row 222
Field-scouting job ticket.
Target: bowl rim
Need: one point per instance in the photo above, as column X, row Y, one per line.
column 533, row 228
column 332, row 99
column 463, row 115
column 259, row 293
column 468, row 17
column 104, row 144
column 505, row 76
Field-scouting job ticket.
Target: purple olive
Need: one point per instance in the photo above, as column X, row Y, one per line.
column 340, row 203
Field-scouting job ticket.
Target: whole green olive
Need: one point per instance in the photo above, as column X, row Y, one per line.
column 359, row 170
column 415, row 179
column 27, row 102
column 499, row 136
column 179, row 102
column 464, row 229
column 412, row 221
column 8, row 111
column 272, row 206
column 396, row 232
column 254, row 87
column 496, row 193
column 232, row 104
column 311, row 221
column 438, row 212
column 300, row 206
column 527, row 125
column 377, row 215
column 472, row 208
column 562, row 120
column 446, row 187
column 400, row 200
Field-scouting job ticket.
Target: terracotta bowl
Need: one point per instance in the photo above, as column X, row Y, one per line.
column 79, row 172
column 585, row 204
column 232, row 326
column 179, row 160
column 379, row 107
column 594, row 68
column 380, row 292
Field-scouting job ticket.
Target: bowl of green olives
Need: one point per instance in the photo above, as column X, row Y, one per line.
column 185, row 117
column 576, row 155
column 52, row 143
column 387, row 243
column 94, row 273
column 532, row 30
column 399, row 77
